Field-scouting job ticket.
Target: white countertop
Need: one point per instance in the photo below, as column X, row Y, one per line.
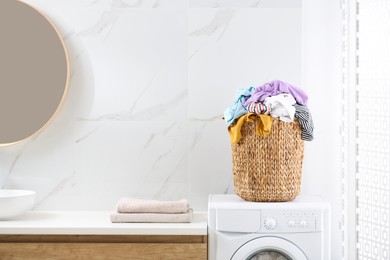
column 95, row 223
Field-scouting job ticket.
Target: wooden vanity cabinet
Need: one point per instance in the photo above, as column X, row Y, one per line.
column 90, row 247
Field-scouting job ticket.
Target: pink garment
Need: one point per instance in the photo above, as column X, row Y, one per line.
column 274, row 88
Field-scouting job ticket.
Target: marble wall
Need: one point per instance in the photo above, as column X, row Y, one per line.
column 150, row 80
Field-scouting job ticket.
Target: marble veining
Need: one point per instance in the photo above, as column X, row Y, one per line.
column 104, row 25
column 125, row 4
column 155, row 136
column 225, row 3
column 80, row 139
column 217, row 26
column 145, row 114
column 67, row 183
column 150, row 80
column 13, row 165
column 221, row 20
column 245, row 3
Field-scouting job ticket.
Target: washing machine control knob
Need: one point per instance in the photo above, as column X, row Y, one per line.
column 270, row 223
column 291, row 223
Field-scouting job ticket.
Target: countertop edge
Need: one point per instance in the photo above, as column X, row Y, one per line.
column 95, row 223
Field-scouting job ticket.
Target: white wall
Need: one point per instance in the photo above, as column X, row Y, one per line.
column 149, row 83
column 321, row 31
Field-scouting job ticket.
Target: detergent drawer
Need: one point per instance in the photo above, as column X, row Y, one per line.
column 245, row 221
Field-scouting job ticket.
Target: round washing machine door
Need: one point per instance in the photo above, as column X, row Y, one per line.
column 269, row 248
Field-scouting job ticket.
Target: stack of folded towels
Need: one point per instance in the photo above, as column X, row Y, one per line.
column 129, row 210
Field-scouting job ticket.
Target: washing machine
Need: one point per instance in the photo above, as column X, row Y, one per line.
column 294, row 230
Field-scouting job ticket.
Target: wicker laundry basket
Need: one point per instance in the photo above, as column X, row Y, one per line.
column 268, row 168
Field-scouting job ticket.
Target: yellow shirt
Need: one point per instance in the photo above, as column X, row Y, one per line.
column 263, row 128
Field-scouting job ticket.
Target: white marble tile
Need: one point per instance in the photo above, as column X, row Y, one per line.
column 237, row 48
column 149, row 83
column 43, row 161
column 79, row 6
column 140, row 71
column 209, row 163
column 93, row 147
column 115, row 159
column 245, row 3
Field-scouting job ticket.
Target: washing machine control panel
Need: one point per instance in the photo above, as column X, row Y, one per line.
column 290, row 221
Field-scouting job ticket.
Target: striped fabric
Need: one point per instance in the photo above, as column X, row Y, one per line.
column 303, row 115
column 258, row 108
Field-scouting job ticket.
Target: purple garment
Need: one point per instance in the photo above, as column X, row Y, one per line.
column 274, row 88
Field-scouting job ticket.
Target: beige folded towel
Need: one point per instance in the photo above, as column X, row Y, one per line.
column 152, row 217
column 131, row 205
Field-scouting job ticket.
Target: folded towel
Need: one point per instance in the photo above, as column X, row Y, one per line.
column 131, row 205
column 152, row 217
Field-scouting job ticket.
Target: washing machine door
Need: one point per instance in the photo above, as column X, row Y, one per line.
column 274, row 248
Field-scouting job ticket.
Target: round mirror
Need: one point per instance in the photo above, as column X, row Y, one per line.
column 34, row 71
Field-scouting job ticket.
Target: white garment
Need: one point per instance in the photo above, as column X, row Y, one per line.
column 268, row 256
column 282, row 106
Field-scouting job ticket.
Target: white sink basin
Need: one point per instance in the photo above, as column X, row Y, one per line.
column 14, row 203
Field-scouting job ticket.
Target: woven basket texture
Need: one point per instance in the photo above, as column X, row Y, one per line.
column 268, row 168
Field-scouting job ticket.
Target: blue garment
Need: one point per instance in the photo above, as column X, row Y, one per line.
column 238, row 108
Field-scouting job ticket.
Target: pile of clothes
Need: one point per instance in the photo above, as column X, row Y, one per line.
column 275, row 99
column 131, row 210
